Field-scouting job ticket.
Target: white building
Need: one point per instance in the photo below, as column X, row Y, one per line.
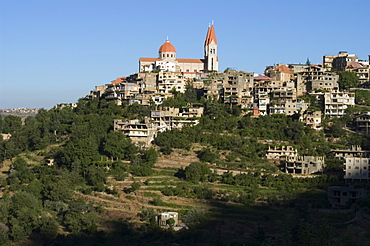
column 336, row 102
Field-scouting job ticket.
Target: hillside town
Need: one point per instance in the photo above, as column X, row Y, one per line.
column 289, row 89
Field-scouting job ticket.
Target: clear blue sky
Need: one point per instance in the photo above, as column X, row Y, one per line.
column 57, row 51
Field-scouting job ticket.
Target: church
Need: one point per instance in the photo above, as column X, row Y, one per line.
column 167, row 60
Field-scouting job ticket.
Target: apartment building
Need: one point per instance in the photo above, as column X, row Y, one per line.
column 238, row 87
column 313, row 78
column 362, row 122
column 341, row 61
column 121, row 92
column 312, row 118
column 362, row 70
column 354, row 151
column 170, row 118
column 277, row 152
column 213, row 85
column 279, row 72
column 356, row 168
column 287, row 106
column 141, row 133
column 342, row 196
column 168, row 81
column 304, row 165
column 336, row 102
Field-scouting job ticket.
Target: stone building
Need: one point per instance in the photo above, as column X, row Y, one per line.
column 168, row 61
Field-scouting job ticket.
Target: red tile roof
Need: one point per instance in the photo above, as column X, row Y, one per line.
column 148, row 59
column 167, row 47
column 353, row 64
column 262, row 77
column 190, row 60
column 118, row 80
column 283, row 69
column 211, row 36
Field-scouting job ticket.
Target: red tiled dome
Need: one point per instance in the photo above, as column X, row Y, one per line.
column 167, row 47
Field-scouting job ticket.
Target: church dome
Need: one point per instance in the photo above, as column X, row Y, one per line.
column 167, row 47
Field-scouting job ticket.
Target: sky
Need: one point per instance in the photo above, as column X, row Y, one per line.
column 57, row 51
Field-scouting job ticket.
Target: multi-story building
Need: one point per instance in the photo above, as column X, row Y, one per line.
column 287, row 106
column 167, row 60
column 314, row 78
column 354, row 151
column 342, row 196
column 304, row 165
column 336, row 102
column 279, row 72
column 356, row 168
column 213, row 85
column 146, row 81
column 362, row 122
column 121, row 92
column 170, row 118
column 362, row 70
column 238, row 87
column 141, row 133
column 168, row 81
column 341, row 61
column 277, row 152
column 312, row 118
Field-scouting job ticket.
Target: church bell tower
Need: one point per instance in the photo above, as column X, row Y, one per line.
column 210, row 50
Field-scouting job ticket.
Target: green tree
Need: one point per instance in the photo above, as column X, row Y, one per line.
column 117, row 146
column 347, row 80
column 135, row 186
column 49, row 228
column 196, row 172
column 362, row 97
column 207, row 155
column 190, row 92
column 12, row 124
column 171, row 222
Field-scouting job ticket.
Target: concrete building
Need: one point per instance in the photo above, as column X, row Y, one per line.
column 167, row 60
column 168, row 80
column 121, row 92
column 356, row 168
column 354, row 151
column 279, row 72
column 314, row 78
column 313, row 119
column 278, row 152
column 342, row 196
column 171, row 118
column 287, row 107
column 213, row 85
column 163, row 217
column 336, row 102
column 341, row 61
column 362, row 122
column 362, row 70
column 141, row 133
column 238, row 88
column 304, row 165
